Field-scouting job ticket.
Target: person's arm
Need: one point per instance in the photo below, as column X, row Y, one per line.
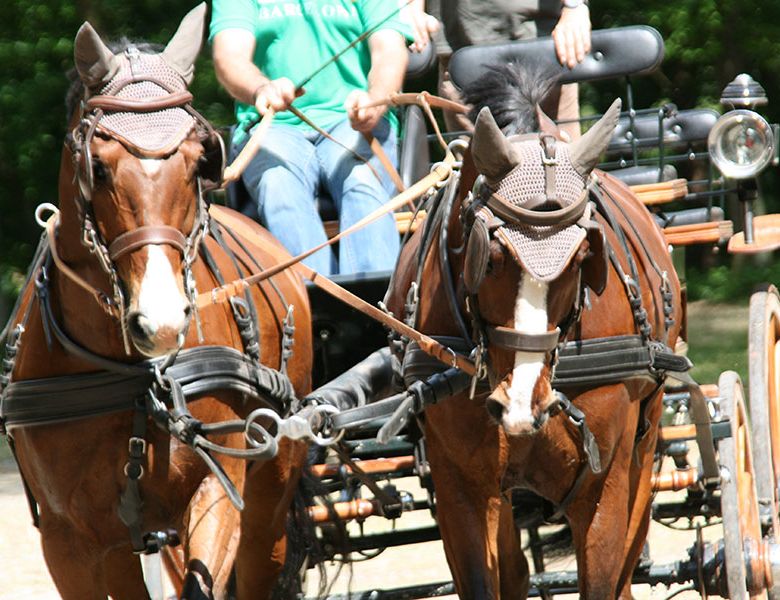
column 388, row 67
column 572, row 33
column 233, row 50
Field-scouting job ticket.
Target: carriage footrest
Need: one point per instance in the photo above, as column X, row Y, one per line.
column 766, row 236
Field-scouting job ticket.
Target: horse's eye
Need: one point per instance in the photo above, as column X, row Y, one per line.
column 99, row 171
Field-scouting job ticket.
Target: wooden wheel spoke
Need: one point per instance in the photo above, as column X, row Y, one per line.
column 739, row 500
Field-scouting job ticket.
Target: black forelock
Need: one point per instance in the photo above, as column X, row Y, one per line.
column 511, row 91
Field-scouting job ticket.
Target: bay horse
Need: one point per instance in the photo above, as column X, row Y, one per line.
column 534, row 254
column 109, row 314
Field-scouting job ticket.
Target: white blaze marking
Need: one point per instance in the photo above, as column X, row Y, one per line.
column 159, row 299
column 151, row 166
column 530, row 317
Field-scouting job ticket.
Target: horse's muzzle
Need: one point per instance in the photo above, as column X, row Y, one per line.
column 517, row 420
column 152, row 339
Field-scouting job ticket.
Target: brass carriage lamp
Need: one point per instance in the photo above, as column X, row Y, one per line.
column 741, row 143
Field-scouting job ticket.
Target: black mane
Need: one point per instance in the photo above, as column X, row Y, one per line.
column 76, row 89
column 511, row 91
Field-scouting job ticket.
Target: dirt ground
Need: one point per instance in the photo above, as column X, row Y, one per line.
column 24, row 575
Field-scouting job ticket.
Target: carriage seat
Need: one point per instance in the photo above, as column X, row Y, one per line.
column 677, row 132
column 617, row 52
column 413, row 152
column 644, row 174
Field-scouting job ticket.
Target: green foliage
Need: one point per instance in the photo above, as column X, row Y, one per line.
column 731, row 281
column 36, row 52
column 708, row 42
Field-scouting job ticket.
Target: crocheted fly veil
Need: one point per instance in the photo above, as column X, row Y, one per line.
column 151, row 117
column 537, row 186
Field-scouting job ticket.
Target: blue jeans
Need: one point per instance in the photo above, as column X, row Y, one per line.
column 289, row 171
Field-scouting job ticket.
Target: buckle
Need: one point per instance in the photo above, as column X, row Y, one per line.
column 136, row 446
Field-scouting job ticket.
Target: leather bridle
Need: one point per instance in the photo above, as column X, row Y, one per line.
column 79, row 143
column 483, row 213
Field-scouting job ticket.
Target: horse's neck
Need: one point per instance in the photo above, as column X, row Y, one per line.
column 647, row 247
column 435, row 312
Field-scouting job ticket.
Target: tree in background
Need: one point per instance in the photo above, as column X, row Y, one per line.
column 708, row 42
column 36, row 52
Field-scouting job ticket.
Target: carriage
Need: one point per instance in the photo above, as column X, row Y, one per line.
column 706, row 431
column 730, row 473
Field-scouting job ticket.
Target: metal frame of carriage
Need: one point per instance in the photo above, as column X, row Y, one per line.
column 735, row 478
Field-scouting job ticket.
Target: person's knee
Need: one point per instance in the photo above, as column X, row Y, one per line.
column 278, row 187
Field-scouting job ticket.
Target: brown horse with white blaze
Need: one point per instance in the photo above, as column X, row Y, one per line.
column 112, row 296
column 551, row 252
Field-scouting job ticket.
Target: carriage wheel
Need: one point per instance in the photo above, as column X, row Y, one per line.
column 743, row 544
column 764, row 365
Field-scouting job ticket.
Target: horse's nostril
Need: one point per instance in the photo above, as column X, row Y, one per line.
column 139, row 326
column 495, row 409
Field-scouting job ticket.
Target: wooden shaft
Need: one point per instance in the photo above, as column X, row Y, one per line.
column 674, row 481
column 675, row 433
column 377, row 465
column 354, row 509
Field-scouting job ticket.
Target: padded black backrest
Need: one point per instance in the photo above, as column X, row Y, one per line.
column 681, row 129
column 421, row 63
column 635, row 50
column 414, row 156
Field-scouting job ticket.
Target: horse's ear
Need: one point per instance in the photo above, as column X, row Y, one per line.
column 546, row 124
column 95, row 63
column 493, row 154
column 585, row 152
column 185, row 45
column 595, row 267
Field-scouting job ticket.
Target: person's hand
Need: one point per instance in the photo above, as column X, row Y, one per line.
column 277, row 94
column 423, row 26
column 362, row 117
column 572, row 35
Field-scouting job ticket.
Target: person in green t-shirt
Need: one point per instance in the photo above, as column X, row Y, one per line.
column 262, row 50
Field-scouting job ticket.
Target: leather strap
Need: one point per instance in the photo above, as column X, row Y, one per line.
column 114, row 103
column 512, row 339
column 147, row 234
column 198, row 370
column 510, row 213
column 381, row 155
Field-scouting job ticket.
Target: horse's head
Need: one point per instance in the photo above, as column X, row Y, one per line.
column 531, row 246
column 140, row 155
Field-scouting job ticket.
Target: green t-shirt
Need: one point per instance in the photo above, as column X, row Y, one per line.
column 296, row 37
